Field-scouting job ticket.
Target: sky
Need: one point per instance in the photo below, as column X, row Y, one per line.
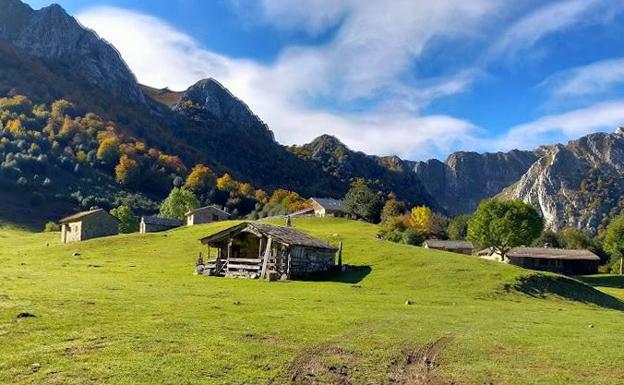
column 414, row 78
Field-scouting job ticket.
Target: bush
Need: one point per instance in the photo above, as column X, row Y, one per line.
column 51, row 227
column 411, row 237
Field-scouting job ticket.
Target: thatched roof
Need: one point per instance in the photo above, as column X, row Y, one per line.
column 329, row 203
column 154, row 220
column 78, row 216
column 447, row 245
column 281, row 234
column 548, row 253
column 209, row 208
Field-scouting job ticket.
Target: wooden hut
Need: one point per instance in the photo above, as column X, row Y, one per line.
column 565, row 261
column 206, row 214
column 259, row 250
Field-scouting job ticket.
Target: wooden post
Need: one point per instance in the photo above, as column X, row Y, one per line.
column 267, row 255
column 621, row 265
column 340, row 255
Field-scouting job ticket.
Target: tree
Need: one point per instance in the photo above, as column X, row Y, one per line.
column 548, row 239
column 227, row 183
column 573, row 238
column 128, row 171
column 178, row 203
column 128, row 221
column 392, row 208
column 421, row 219
column 108, row 150
column 200, row 179
column 458, row 227
column 51, row 227
column 614, row 241
column 503, row 225
column 362, row 202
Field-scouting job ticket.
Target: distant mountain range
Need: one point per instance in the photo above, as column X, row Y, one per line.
column 47, row 55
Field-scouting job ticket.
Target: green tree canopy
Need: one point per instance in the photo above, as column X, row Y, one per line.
column 362, row 202
column 503, row 225
column 614, row 241
column 178, row 203
column 128, row 221
column 393, row 208
column 458, row 227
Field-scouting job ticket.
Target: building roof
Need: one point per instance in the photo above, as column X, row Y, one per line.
column 548, row 253
column 154, row 220
column 285, row 235
column 211, row 207
column 449, row 245
column 78, row 216
column 329, row 203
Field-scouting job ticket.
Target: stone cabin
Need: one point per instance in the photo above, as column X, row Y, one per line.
column 206, row 214
column 461, row 247
column 564, row 261
column 259, row 250
column 328, row 207
column 154, row 224
column 87, row 225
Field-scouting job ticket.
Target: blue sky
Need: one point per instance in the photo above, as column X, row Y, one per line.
column 415, row 78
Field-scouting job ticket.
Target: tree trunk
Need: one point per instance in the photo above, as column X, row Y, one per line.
column 621, row 264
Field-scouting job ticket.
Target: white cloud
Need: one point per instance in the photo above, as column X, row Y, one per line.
column 553, row 17
column 370, row 56
column 595, row 79
column 563, row 127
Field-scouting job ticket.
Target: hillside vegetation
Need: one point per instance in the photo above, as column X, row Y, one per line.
column 469, row 321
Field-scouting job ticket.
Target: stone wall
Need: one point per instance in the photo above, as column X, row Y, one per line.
column 305, row 260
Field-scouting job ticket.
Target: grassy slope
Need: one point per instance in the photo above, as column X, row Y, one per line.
column 128, row 310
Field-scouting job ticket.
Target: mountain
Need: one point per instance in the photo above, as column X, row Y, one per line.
column 579, row 184
column 466, row 178
column 56, row 38
column 390, row 174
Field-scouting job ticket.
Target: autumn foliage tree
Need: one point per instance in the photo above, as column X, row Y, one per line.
column 200, row 179
column 108, row 150
column 127, row 172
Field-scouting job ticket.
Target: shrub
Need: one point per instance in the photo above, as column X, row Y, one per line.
column 51, row 227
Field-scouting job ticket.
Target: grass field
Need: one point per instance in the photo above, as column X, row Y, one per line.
column 128, row 310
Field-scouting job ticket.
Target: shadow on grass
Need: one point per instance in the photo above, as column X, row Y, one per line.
column 614, row 281
column 351, row 274
column 540, row 286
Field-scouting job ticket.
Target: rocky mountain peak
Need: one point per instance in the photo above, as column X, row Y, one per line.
column 56, row 37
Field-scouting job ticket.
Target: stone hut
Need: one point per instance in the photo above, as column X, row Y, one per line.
column 259, row 250
column 155, row 224
column 206, row 214
column 328, row 207
column 461, row 247
column 88, row 224
column 565, row 261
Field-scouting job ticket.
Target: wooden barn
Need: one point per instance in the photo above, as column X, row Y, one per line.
column 88, row 224
column 573, row 262
column 155, row 224
column 260, row 250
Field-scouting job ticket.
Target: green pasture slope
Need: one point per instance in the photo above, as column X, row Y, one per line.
column 128, row 310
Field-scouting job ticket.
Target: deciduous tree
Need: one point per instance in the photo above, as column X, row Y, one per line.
column 178, row 203
column 614, row 241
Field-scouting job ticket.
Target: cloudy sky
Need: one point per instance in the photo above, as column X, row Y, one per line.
column 416, row 78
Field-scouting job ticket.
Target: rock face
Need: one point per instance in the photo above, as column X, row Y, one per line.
column 579, row 184
column 390, row 173
column 460, row 183
column 57, row 38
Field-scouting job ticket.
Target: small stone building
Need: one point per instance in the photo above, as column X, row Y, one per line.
column 328, row 207
column 155, row 224
column 461, row 247
column 87, row 225
column 206, row 214
column 564, row 261
column 259, row 250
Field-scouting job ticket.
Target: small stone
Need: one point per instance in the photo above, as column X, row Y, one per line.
column 408, row 302
column 35, row 367
column 76, row 254
column 25, row 314
column 590, row 326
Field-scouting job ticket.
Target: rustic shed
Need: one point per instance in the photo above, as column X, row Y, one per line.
column 206, row 214
column 563, row 261
column 153, row 224
column 461, row 247
column 257, row 250
column 88, row 224
column 328, row 207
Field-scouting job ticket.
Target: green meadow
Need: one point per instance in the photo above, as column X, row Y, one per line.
column 129, row 310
